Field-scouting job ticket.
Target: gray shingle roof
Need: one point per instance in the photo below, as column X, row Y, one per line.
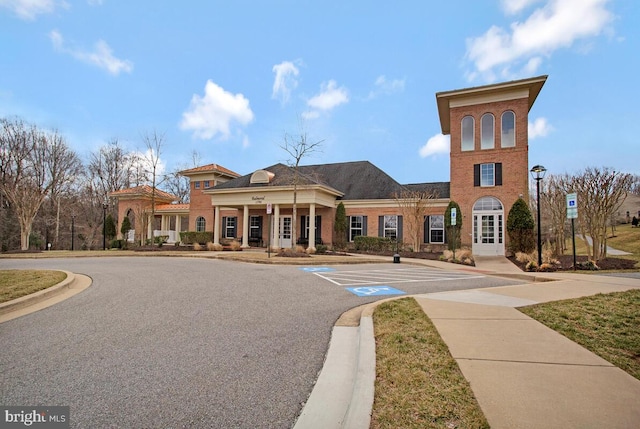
column 358, row 180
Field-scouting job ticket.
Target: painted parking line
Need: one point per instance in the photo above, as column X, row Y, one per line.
column 390, row 276
column 375, row 291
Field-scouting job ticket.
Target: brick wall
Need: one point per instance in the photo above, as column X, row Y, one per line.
column 515, row 168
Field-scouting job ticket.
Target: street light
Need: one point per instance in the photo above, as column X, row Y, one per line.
column 104, row 224
column 537, row 172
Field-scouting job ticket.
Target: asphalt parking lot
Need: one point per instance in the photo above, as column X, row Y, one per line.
column 181, row 342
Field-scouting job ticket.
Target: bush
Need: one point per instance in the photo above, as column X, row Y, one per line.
column 520, row 228
column 321, row 248
column 235, row 245
column 116, row 244
column 192, row 237
column 452, row 230
column 197, row 247
column 374, row 244
column 213, row 247
column 463, row 256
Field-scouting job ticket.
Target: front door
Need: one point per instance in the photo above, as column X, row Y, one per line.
column 488, row 237
column 285, row 231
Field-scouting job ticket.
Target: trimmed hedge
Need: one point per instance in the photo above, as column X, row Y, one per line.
column 192, row 237
column 374, row 244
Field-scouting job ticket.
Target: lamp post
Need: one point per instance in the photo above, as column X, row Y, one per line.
column 73, row 230
column 537, row 172
column 104, row 225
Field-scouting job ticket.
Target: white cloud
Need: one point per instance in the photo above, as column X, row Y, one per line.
column 514, row 6
column 285, row 80
column 329, row 97
column 386, row 87
column 29, row 9
column 438, row 144
column 539, row 128
column 213, row 113
column 556, row 24
column 101, row 55
column 310, row 114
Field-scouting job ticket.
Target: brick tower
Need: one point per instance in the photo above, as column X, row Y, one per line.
column 489, row 156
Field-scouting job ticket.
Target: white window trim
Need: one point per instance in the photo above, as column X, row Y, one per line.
column 493, row 175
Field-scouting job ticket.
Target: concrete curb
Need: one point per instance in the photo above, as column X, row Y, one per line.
column 72, row 285
column 343, row 394
column 41, row 295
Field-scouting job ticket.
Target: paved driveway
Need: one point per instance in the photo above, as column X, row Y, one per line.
column 161, row 342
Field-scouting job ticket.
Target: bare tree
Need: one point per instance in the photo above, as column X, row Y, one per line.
column 601, row 192
column 31, row 167
column 154, row 143
column 554, row 190
column 111, row 169
column 298, row 147
column 177, row 184
column 413, row 205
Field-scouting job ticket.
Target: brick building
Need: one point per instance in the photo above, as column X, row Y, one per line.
column 489, row 171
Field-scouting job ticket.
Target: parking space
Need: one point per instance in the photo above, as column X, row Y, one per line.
column 391, row 276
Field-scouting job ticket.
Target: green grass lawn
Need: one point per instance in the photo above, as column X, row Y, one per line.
column 17, row 283
column 418, row 383
column 606, row 324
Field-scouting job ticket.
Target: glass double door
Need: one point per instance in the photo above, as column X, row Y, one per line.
column 488, row 234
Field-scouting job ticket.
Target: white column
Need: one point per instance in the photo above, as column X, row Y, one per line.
column 312, row 226
column 216, row 225
column 178, row 227
column 150, row 228
column 275, row 238
column 245, row 227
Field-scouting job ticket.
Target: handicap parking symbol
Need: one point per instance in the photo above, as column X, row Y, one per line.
column 317, row 269
column 374, row 291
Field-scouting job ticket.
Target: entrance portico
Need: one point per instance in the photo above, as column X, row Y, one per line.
column 252, row 200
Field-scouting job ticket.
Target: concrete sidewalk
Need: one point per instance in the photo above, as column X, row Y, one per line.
column 523, row 374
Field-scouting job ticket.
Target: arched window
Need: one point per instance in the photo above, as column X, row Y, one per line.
column 508, row 135
column 487, row 203
column 487, row 135
column 201, row 223
column 467, row 133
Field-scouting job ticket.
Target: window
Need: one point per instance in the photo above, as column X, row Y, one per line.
column 318, row 228
column 487, row 174
column 487, row 135
column 255, row 227
column 508, row 134
column 357, row 226
column 206, row 184
column 487, row 204
column 468, row 133
column 229, row 226
column 200, row 223
column 436, row 229
column 390, row 226
column 196, row 185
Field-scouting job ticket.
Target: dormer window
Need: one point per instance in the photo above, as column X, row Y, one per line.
column 262, row 177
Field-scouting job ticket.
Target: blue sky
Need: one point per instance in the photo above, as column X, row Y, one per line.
column 227, row 79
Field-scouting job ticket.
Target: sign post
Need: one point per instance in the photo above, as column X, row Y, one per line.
column 454, row 217
column 572, row 213
column 269, row 238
